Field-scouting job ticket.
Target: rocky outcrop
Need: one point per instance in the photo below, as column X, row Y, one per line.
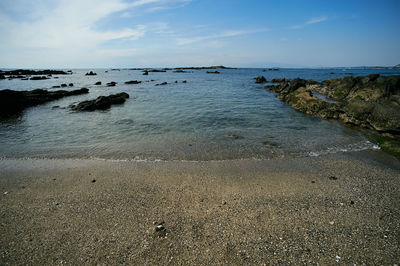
column 19, row 72
column 260, row 79
column 98, row 83
column 213, row 72
column 371, row 102
column 101, row 102
column 91, row 73
column 13, row 102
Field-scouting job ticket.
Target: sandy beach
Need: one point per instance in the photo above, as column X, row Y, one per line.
column 327, row 209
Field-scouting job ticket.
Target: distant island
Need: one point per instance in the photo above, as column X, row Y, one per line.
column 382, row 67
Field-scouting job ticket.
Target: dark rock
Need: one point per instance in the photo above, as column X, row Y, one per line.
column 260, row 79
column 213, row 72
column 371, row 102
column 145, row 73
column 34, row 72
column 101, row 102
column 2, row 76
column 91, row 73
column 133, row 82
column 155, row 70
column 160, row 230
column 332, row 177
column 184, row 81
column 180, row 71
column 56, row 87
column 278, row 80
column 98, row 83
column 111, row 84
column 93, row 180
column 162, row 84
column 39, row 78
column 71, row 84
column 13, row 102
column 63, row 85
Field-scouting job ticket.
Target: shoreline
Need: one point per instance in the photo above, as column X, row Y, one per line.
column 327, row 209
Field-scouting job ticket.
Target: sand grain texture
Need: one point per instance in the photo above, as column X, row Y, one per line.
column 218, row 212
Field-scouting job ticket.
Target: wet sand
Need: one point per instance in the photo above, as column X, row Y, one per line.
column 327, row 209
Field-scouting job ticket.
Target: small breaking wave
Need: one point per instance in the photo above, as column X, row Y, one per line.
column 359, row 146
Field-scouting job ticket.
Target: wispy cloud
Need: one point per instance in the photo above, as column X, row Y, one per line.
column 224, row 34
column 309, row 22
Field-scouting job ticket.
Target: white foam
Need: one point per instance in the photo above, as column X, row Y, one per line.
column 359, row 146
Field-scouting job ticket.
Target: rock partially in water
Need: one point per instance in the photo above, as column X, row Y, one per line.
column 156, row 70
column 98, row 83
column 260, row 79
column 133, row 82
column 111, row 84
column 101, row 102
column 162, row 84
column 33, row 72
column 145, row 73
column 371, row 102
column 39, row 78
column 91, row 73
column 213, row 72
column 12, row 102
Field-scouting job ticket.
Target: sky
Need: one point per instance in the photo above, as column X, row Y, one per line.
column 173, row 33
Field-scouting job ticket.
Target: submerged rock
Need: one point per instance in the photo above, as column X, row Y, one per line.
column 213, row 72
column 161, row 84
column 12, row 102
column 101, row 102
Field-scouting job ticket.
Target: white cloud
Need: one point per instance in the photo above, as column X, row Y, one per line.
column 309, row 22
column 225, row 34
column 66, row 29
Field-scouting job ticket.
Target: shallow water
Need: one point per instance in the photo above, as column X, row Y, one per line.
column 211, row 117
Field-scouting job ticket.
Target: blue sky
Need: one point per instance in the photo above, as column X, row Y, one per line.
column 159, row 33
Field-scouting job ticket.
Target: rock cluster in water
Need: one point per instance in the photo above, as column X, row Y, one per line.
column 371, row 102
column 101, row 102
column 12, row 102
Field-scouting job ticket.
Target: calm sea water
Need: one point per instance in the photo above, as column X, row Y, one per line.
column 211, row 117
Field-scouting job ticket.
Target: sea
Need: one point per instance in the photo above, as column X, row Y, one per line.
column 222, row 116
